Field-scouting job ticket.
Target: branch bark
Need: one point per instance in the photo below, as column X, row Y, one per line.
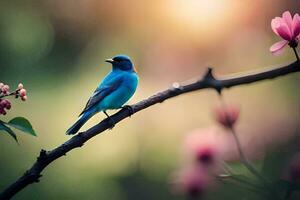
column 45, row 158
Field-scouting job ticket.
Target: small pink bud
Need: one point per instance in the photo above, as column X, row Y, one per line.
column 1, row 85
column 22, row 92
column 8, row 107
column 20, row 86
column 8, row 104
column 227, row 116
column 24, row 98
column 2, row 111
column 5, row 89
column 2, row 103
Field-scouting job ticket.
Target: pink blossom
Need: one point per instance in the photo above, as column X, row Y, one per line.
column 2, row 111
column 192, row 181
column 22, row 92
column 208, row 146
column 24, row 98
column 20, row 86
column 8, row 104
column 288, row 29
column 227, row 115
column 4, row 104
column 206, row 155
column 5, row 89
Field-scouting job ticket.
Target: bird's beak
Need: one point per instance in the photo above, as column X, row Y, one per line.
column 109, row 60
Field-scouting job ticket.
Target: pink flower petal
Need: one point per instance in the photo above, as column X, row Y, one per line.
column 284, row 32
column 275, row 23
column 287, row 17
column 278, row 47
column 296, row 25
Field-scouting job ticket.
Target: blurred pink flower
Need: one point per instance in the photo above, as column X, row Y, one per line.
column 208, row 146
column 288, row 29
column 191, row 181
column 206, row 155
column 227, row 115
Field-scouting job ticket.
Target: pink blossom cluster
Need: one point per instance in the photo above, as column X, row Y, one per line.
column 21, row 92
column 5, row 104
column 4, row 89
column 207, row 149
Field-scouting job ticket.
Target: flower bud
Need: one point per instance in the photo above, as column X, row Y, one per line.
column 22, row 92
column 227, row 116
column 2, row 103
column 2, row 111
column 20, row 86
column 8, row 104
column 5, row 89
column 24, row 98
column 1, row 85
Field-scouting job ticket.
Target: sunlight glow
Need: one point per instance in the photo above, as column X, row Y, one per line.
column 201, row 15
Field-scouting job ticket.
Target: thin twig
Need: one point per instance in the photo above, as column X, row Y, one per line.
column 244, row 159
column 9, row 94
column 45, row 158
column 296, row 53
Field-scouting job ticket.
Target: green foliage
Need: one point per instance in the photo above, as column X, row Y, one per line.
column 19, row 123
column 5, row 128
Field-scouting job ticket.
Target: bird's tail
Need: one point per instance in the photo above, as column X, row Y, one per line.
column 80, row 122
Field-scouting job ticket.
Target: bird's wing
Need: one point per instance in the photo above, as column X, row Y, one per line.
column 105, row 89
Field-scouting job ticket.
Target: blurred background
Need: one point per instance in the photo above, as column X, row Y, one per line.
column 57, row 50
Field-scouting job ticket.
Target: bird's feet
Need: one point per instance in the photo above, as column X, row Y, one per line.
column 111, row 123
column 110, row 120
column 130, row 109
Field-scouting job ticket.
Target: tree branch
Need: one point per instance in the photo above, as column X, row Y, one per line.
column 45, row 158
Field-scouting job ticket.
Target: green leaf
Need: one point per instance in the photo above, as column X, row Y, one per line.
column 22, row 124
column 8, row 130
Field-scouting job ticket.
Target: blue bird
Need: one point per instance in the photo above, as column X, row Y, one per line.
column 115, row 90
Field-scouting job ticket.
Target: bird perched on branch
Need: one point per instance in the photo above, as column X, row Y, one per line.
column 114, row 91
